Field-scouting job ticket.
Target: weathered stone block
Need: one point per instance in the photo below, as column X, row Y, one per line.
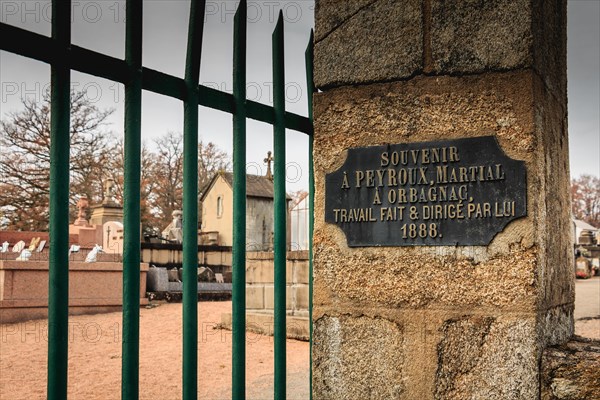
column 289, row 272
column 571, row 371
column 330, row 15
column 367, row 42
column 475, row 36
column 213, row 258
column 482, row 357
column 259, row 271
column 301, row 272
column 358, row 358
column 270, row 299
column 255, row 297
column 297, row 255
column 157, row 280
column 550, row 45
column 226, row 258
column 146, row 255
column 301, row 297
column 173, row 275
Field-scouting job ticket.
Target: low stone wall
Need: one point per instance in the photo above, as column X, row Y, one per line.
column 260, row 282
column 571, row 371
column 260, row 289
column 168, row 255
column 93, row 288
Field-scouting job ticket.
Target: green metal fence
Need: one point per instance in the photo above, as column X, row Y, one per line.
column 63, row 57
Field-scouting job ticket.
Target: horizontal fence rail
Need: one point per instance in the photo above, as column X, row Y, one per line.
column 42, row 48
column 64, row 57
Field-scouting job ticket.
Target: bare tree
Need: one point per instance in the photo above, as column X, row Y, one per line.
column 165, row 177
column 585, row 199
column 168, row 178
column 147, row 180
column 211, row 160
column 25, row 159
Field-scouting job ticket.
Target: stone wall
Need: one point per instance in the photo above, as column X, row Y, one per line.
column 169, row 255
column 443, row 322
column 93, row 288
column 260, row 283
column 260, row 290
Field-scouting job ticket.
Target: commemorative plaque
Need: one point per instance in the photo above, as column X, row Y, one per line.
column 444, row 193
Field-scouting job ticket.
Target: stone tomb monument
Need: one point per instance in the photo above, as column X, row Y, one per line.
column 441, row 192
column 109, row 209
column 89, row 234
column 173, row 233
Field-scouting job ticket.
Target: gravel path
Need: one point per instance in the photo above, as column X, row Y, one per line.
column 95, row 355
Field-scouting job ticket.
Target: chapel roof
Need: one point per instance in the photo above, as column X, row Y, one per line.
column 256, row 185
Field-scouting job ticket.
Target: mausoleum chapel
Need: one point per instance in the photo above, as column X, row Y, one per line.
column 416, row 230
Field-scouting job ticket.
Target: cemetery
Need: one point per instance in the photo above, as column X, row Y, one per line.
column 95, row 272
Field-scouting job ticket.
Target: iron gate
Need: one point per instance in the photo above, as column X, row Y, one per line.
column 63, row 57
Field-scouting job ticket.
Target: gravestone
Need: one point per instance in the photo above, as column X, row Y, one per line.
column 4, row 248
column 41, row 246
column 206, row 274
column 74, row 248
column 173, row 275
column 24, row 256
column 158, row 279
column 442, row 261
column 112, row 234
column 18, row 247
column 34, row 243
column 109, row 209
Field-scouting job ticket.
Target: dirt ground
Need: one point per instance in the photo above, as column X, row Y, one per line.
column 95, row 357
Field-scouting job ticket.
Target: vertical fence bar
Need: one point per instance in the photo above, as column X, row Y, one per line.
column 308, row 57
column 131, row 202
column 190, row 202
column 279, row 331
column 238, row 324
column 58, row 297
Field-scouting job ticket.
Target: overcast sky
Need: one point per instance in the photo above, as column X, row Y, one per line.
column 99, row 25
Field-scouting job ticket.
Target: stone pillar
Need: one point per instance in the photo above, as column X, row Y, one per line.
column 440, row 321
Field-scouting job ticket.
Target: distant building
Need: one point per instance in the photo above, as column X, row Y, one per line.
column 217, row 211
column 585, row 230
column 299, row 214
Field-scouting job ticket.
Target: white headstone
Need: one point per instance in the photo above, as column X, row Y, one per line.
column 112, row 237
column 34, row 243
column 4, row 248
column 41, row 246
column 24, row 256
column 74, row 248
column 17, row 248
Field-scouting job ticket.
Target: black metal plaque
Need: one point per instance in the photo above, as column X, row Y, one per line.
column 445, row 193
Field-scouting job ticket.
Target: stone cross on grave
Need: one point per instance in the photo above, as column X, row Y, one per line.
column 82, row 205
column 109, row 188
column 268, row 160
